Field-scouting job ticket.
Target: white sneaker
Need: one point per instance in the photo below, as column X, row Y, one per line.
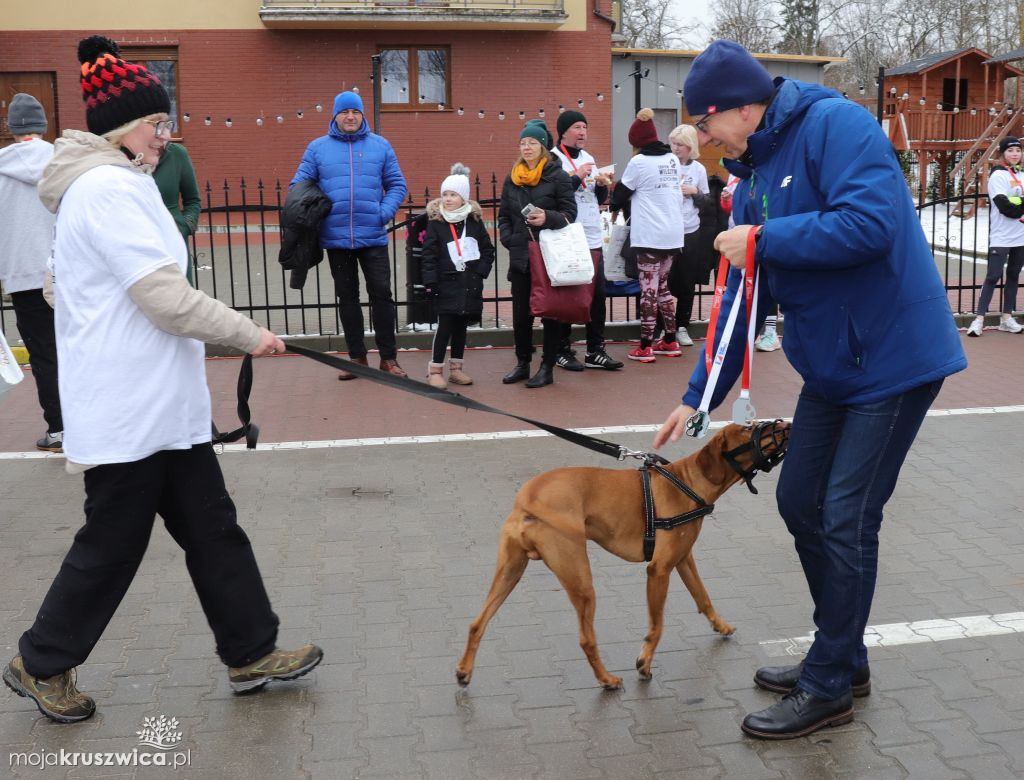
column 683, row 338
column 975, row 328
column 1010, row 325
column 767, row 342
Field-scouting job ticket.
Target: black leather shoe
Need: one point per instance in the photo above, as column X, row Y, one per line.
column 783, row 679
column 797, row 715
column 542, row 377
column 568, row 361
column 517, row 374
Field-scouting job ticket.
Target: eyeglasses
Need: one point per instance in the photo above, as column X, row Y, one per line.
column 162, row 126
column 702, row 123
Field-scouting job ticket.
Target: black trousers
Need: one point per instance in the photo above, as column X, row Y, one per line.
column 522, row 322
column 186, row 488
column 35, row 323
column 687, row 272
column 595, row 328
column 450, row 328
column 376, row 265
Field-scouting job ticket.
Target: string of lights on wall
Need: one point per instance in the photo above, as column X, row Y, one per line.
column 280, row 117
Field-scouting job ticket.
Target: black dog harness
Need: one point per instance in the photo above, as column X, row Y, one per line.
column 651, row 520
column 767, row 432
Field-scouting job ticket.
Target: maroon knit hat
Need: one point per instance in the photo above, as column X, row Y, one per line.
column 643, row 131
column 114, row 91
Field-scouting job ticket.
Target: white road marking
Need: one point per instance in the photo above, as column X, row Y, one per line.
column 487, row 436
column 891, row 634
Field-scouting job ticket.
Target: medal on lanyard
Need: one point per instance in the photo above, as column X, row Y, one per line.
column 743, row 409
column 699, row 423
column 460, row 264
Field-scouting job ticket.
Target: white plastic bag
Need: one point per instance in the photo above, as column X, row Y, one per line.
column 567, row 255
column 614, row 262
column 10, row 371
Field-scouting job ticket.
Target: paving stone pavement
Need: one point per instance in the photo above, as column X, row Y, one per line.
column 382, row 554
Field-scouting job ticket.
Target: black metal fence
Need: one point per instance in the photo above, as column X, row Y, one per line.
column 235, row 260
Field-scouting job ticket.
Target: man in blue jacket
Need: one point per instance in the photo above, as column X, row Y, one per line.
column 867, row 325
column 359, row 172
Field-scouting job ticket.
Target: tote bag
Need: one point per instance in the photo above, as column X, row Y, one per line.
column 10, row 371
column 565, row 304
column 567, row 255
column 614, row 261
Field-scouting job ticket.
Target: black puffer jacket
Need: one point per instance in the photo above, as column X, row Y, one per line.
column 304, row 209
column 455, row 292
column 553, row 193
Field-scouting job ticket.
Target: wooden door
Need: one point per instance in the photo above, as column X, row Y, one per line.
column 41, row 86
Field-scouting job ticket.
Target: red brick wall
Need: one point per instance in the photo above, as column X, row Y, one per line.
column 240, row 73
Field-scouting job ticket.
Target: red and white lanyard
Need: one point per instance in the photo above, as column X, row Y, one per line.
column 455, row 235
column 743, row 410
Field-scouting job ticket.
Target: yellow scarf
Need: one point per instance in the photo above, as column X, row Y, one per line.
column 522, row 176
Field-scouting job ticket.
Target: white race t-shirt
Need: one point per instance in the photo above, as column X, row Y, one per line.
column 657, row 201
column 695, row 175
column 1002, row 230
column 127, row 389
column 588, row 210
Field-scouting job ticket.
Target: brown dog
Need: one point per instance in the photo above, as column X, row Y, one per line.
column 556, row 512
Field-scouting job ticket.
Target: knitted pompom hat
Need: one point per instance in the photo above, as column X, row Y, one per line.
column 114, row 91
column 458, row 182
column 643, row 131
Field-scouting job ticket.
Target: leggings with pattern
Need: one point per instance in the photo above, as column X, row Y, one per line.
column 654, row 266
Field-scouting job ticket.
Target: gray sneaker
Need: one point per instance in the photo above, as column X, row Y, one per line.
column 976, row 327
column 56, row 697
column 51, row 442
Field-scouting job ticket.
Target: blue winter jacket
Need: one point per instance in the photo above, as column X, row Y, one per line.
column 359, row 173
column 843, row 254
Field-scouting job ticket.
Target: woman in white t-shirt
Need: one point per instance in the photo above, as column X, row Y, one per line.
column 136, row 407
column 1005, row 237
column 650, row 189
column 688, row 269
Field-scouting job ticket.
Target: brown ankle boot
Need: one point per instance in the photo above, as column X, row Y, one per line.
column 455, row 374
column 435, row 376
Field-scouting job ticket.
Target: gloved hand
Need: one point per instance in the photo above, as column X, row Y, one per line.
column 1015, row 200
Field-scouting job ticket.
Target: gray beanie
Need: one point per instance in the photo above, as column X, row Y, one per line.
column 25, row 115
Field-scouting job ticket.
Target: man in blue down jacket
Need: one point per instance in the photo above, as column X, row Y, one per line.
column 359, row 172
column 867, row 325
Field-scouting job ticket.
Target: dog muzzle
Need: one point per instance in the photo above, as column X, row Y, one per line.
column 767, row 446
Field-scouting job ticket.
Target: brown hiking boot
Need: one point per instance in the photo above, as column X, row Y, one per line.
column 278, row 665
column 344, row 376
column 56, row 697
column 390, row 366
column 456, row 375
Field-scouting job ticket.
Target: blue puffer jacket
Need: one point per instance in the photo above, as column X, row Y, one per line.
column 842, row 253
column 359, row 173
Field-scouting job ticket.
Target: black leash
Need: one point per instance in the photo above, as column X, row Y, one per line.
column 249, row 430
column 651, row 461
column 609, row 448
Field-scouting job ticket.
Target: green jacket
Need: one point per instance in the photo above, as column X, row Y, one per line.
column 176, row 179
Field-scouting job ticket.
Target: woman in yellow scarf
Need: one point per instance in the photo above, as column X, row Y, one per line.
column 535, row 180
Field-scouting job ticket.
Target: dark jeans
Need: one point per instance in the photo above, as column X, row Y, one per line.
column 450, row 327
column 522, row 322
column 376, row 267
column 595, row 328
column 186, row 488
column 840, row 469
column 35, row 323
column 1012, row 257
